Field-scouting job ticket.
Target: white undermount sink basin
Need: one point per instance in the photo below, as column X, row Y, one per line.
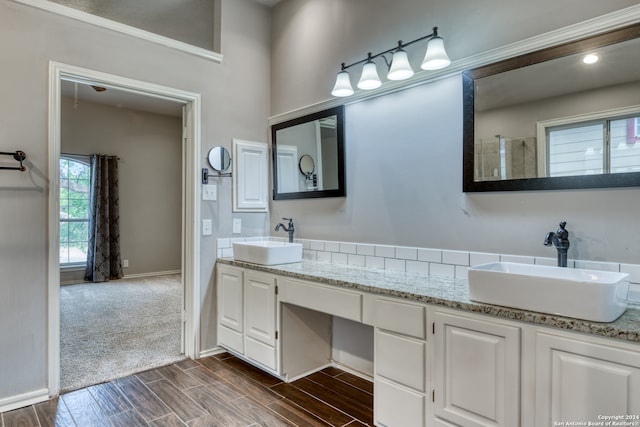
column 267, row 252
column 599, row 296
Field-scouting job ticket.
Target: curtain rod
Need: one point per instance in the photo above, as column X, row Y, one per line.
column 82, row 155
column 19, row 156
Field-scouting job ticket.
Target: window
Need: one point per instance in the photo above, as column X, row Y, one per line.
column 607, row 145
column 75, row 185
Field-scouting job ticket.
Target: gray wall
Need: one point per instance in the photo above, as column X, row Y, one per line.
column 190, row 21
column 235, row 104
column 150, row 175
column 404, row 150
column 311, row 38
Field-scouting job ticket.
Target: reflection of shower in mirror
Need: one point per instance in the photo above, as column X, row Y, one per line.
column 505, row 158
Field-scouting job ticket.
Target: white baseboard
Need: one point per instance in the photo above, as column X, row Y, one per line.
column 211, row 352
column 304, row 374
column 127, row 276
column 360, row 374
column 22, row 400
column 155, row 273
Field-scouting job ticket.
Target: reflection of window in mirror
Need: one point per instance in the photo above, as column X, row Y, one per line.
column 607, row 144
column 195, row 22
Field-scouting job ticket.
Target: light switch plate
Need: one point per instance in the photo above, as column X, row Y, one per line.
column 206, row 227
column 209, row 192
column 237, row 225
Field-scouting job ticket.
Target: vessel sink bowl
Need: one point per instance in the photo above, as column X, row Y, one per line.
column 267, row 252
column 599, row 296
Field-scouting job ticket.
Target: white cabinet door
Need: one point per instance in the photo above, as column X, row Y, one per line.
column 476, row 375
column 583, row 381
column 260, row 319
column 230, row 308
column 230, row 312
column 250, row 176
column 260, row 308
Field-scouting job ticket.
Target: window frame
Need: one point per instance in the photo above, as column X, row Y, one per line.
column 543, row 128
column 86, row 160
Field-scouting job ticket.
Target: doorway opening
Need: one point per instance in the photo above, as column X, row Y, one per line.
column 189, row 208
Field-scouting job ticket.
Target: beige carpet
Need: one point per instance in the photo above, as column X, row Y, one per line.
column 113, row 329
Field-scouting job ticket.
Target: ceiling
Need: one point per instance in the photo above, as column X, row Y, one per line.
column 121, row 99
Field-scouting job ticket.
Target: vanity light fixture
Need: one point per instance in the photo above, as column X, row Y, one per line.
column 369, row 78
column 398, row 69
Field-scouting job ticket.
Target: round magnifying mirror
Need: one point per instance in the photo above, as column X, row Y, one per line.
column 306, row 165
column 219, row 159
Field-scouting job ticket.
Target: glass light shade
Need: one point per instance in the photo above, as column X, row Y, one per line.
column 369, row 78
column 436, row 57
column 400, row 67
column 343, row 85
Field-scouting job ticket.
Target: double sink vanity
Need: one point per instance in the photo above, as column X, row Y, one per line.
column 440, row 357
column 512, row 345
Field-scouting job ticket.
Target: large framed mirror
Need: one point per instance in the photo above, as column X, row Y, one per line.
column 549, row 120
column 308, row 156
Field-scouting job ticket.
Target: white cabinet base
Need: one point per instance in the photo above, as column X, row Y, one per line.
column 397, row 406
column 582, row 381
column 231, row 339
column 476, row 375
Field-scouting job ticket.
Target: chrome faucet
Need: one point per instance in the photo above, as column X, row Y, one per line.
column 559, row 239
column 288, row 230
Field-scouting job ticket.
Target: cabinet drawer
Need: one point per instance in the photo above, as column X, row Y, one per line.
column 402, row 317
column 325, row 299
column 400, row 359
column 230, row 339
column 260, row 352
column 395, row 406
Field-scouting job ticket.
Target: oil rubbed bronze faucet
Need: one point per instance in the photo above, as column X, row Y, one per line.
column 288, row 230
column 559, row 239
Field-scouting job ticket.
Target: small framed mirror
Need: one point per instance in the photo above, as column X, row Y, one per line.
column 308, row 156
column 219, row 159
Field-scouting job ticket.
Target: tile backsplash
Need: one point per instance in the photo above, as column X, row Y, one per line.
column 437, row 262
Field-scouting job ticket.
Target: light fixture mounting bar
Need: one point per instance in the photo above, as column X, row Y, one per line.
column 401, row 45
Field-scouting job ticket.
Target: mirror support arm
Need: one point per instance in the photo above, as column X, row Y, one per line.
column 206, row 174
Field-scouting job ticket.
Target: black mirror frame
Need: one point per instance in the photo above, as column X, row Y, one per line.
column 631, row 179
column 341, row 191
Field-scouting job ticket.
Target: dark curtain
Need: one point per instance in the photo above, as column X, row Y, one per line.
column 103, row 258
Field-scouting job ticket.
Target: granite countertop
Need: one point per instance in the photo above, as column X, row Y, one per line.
column 443, row 291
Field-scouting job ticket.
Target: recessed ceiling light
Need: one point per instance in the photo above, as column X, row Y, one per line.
column 591, row 58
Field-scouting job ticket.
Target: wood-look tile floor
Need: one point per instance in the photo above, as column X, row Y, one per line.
column 215, row 391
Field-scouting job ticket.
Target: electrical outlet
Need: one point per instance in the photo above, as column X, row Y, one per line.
column 237, row 225
column 125, row 263
column 210, row 192
column 206, row 227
